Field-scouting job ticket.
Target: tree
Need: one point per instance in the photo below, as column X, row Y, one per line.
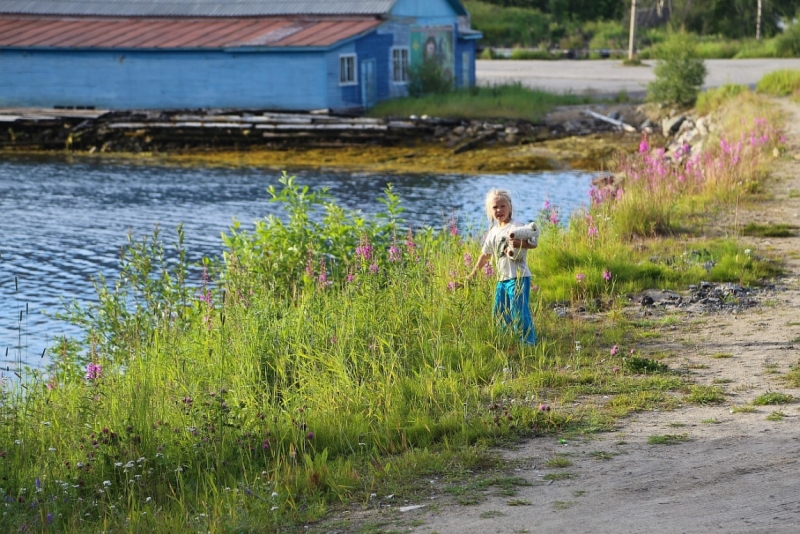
column 679, row 72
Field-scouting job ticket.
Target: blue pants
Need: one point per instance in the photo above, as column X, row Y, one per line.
column 511, row 306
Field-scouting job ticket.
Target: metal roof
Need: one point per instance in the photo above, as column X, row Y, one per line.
column 178, row 33
column 196, row 8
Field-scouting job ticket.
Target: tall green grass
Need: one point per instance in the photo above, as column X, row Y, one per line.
column 329, row 357
column 782, row 82
column 505, row 101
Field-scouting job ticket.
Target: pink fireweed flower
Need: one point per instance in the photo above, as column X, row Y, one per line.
column 488, row 270
column 374, row 268
column 93, row 371
column 580, row 277
column 467, row 259
column 451, row 286
column 364, row 249
column 452, row 226
column 592, row 232
column 394, row 254
column 554, row 217
column 322, row 280
column 643, row 146
column 614, row 350
column 547, row 205
column 350, row 277
column 606, row 275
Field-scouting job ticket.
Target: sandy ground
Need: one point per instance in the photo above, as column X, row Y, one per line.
column 732, row 471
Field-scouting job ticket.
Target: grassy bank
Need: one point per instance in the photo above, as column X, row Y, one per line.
column 330, row 356
column 501, row 102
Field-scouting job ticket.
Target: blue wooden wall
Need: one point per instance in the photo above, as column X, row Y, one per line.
column 258, row 78
column 163, row 79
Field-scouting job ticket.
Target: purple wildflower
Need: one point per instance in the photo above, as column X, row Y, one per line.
column 467, row 259
column 488, row 270
column 451, row 286
column 606, row 275
column 614, row 350
column 592, row 232
column 644, row 146
column 93, row 371
column 547, row 205
column 394, row 254
column 553, row 217
column 580, row 277
column 364, row 249
column 374, row 268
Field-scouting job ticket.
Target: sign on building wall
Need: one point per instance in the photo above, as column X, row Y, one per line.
column 434, row 42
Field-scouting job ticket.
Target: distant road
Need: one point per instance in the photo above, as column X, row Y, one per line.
column 606, row 76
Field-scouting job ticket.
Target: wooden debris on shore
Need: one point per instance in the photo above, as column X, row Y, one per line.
column 182, row 130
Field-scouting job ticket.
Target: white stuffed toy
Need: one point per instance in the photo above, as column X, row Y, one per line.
column 529, row 233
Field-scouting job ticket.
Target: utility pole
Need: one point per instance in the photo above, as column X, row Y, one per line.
column 632, row 36
column 758, row 22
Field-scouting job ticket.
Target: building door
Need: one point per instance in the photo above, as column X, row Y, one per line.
column 369, row 85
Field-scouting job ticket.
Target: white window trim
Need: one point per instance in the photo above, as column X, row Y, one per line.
column 354, row 57
column 391, row 64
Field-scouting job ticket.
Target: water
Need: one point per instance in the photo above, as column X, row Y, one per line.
column 62, row 222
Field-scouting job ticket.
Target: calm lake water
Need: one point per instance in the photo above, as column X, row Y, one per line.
column 63, row 222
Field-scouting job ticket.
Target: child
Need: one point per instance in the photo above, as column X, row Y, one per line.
column 514, row 277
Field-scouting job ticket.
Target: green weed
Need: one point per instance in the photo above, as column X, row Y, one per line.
column 558, row 462
column 668, row 439
column 782, row 82
column 776, row 416
column 769, row 230
column 766, row 399
column 705, row 395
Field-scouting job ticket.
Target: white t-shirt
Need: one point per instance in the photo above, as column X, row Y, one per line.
column 505, row 266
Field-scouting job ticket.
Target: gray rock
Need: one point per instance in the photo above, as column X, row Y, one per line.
column 669, row 126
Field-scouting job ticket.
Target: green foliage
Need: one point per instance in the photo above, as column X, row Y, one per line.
column 705, row 395
column 498, row 102
column 782, row 82
column 787, row 43
column 766, row 399
column 428, row 77
column 636, row 364
column 150, row 291
column 509, row 26
column 278, row 254
column 668, row 439
column 679, row 74
column 710, row 100
column 769, row 230
column 523, row 53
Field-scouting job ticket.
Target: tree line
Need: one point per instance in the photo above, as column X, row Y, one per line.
column 734, row 19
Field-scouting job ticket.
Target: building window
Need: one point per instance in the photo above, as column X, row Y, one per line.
column 347, row 69
column 400, row 65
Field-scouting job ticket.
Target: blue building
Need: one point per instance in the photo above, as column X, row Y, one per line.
column 245, row 54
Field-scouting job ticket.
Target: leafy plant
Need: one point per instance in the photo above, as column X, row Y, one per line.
column 679, row 73
column 428, row 77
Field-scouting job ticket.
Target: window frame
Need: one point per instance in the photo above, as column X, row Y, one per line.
column 404, row 66
column 343, row 60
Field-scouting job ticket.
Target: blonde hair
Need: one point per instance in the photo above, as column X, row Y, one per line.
column 490, row 196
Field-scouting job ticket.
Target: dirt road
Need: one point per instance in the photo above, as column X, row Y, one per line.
column 611, row 77
column 729, row 468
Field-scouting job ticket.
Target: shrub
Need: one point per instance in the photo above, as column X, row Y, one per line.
column 780, row 82
column 679, row 72
column 428, row 77
column 787, row 44
column 521, row 53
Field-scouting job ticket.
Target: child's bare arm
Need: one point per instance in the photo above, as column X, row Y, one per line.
column 482, row 261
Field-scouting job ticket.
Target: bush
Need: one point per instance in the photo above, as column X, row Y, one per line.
column 428, row 77
column 521, row 53
column 679, row 72
column 787, row 44
column 780, row 82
